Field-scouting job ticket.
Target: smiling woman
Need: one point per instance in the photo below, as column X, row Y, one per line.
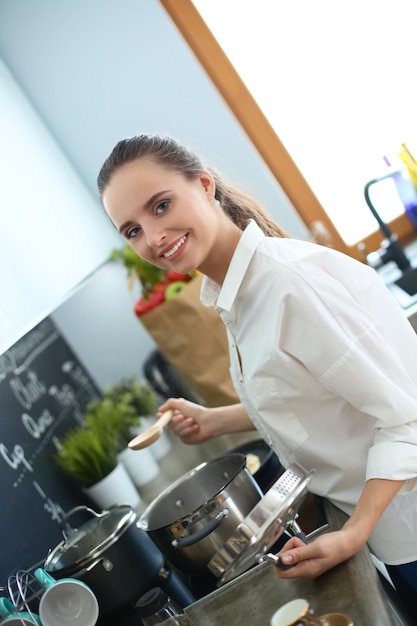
column 321, row 355
column 175, row 211
column 316, row 83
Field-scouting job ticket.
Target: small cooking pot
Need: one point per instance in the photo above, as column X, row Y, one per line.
column 116, row 559
column 270, row 466
column 190, row 520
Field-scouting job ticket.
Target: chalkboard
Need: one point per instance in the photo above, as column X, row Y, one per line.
column 43, row 391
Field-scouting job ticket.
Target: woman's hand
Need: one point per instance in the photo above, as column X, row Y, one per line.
column 333, row 548
column 190, row 422
column 311, row 560
column 194, row 423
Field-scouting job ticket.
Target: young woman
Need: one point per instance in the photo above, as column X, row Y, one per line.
column 322, row 358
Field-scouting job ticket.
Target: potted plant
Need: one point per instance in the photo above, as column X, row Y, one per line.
column 113, row 414
column 89, row 455
column 138, row 395
column 133, row 403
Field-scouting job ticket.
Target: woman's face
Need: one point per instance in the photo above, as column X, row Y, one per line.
column 169, row 221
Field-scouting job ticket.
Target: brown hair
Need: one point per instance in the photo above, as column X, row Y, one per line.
column 174, row 156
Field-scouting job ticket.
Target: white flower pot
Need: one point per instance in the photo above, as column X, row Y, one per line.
column 115, row 488
column 140, row 465
column 162, row 446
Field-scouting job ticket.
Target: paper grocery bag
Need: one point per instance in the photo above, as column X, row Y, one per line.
column 193, row 339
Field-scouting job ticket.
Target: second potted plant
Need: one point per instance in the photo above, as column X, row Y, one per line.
column 133, row 401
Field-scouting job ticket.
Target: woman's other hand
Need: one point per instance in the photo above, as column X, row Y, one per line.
column 333, row 548
column 190, row 422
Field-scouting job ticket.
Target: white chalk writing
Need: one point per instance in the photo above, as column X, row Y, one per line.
column 53, row 508
column 27, row 394
column 76, row 373
column 65, row 396
column 16, row 458
column 7, row 365
column 36, row 428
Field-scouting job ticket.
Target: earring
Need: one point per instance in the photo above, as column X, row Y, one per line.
column 217, row 202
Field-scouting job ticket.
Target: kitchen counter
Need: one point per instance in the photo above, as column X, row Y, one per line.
column 251, row 599
column 411, row 313
column 389, row 273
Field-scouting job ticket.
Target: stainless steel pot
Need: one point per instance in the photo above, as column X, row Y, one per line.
column 271, row 516
column 190, row 520
column 116, row 559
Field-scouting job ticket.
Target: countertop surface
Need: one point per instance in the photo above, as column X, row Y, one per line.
column 389, row 273
column 353, row 588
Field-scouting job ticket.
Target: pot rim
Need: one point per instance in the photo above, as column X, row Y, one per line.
column 143, row 521
column 84, row 561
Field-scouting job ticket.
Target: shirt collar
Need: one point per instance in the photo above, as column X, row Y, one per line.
column 223, row 297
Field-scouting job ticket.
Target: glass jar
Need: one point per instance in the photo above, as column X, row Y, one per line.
column 156, row 607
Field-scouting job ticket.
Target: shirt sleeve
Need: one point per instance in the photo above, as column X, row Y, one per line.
column 346, row 344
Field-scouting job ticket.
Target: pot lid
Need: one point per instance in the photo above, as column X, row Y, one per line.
column 263, row 526
column 151, row 602
column 83, row 545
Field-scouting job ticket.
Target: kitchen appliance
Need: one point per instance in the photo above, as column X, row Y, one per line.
column 22, row 602
column 262, row 527
column 391, row 249
column 114, row 557
column 191, row 519
column 13, row 615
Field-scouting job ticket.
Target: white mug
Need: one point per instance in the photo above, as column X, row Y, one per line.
column 12, row 617
column 66, row 601
column 297, row 613
column 294, row 612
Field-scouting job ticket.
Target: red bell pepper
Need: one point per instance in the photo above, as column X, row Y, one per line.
column 146, row 304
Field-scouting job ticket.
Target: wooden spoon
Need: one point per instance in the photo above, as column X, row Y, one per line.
column 152, row 434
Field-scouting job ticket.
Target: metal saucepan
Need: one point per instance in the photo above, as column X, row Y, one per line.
column 258, row 532
column 191, row 520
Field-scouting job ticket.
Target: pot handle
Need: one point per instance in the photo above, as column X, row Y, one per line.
column 183, row 542
column 106, row 565
column 64, row 522
column 296, row 532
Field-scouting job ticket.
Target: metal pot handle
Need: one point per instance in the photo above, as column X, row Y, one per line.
column 64, row 522
column 106, row 565
column 296, row 532
column 183, row 542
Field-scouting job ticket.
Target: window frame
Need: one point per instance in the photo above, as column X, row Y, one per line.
column 264, row 138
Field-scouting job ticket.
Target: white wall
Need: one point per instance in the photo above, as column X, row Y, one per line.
column 49, row 213
column 99, row 70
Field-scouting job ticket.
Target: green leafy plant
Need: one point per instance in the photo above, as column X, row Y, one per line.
column 116, row 415
column 88, row 453
column 138, row 394
column 148, row 274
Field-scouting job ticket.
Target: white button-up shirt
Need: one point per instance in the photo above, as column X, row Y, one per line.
column 325, row 364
